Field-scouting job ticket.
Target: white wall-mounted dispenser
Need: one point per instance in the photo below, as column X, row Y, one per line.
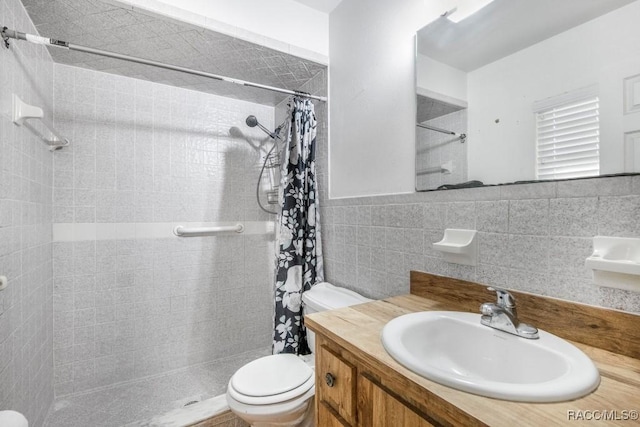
column 616, row 262
column 459, row 246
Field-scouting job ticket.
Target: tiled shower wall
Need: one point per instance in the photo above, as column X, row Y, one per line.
column 531, row 237
column 130, row 305
column 25, row 228
column 440, row 150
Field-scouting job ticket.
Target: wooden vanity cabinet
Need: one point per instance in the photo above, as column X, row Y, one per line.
column 348, row 394
column 377, row 407
column 367, row 388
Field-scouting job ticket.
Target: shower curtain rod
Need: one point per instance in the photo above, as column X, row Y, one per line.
column 12, row 34
column 462, row 136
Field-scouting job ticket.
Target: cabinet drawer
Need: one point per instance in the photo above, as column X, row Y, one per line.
column 336, row 383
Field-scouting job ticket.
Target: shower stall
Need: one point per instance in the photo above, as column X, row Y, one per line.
column 140, row 316
column 142, row 313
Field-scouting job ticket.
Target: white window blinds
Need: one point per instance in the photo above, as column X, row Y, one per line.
column 568, row 139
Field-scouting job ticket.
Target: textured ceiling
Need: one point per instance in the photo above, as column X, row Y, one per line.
column 109, row 25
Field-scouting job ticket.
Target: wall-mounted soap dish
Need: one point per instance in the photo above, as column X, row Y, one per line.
column 616, row 262
column 458, row 246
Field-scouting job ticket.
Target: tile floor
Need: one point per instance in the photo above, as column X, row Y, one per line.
column 137, row 401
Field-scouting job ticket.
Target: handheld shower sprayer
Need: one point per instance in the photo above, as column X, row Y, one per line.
column 271, row 162
column 252, row 122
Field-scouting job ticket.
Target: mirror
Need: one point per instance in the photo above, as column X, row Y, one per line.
column 527, row 90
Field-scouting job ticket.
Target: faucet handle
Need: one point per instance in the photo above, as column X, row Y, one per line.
column 504, row 298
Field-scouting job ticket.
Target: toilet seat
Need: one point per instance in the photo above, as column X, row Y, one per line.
column 271, row 379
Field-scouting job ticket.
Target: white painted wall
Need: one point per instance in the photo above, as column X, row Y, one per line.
column 285, row 25
column 435, row 77
column 602, row 52
column 372, row 96
column 372, row 92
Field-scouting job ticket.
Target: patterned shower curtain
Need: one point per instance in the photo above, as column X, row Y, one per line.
column 299, row 264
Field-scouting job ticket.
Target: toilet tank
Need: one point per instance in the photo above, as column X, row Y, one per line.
column 325, row 296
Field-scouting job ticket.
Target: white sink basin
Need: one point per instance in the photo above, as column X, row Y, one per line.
column 454, row 349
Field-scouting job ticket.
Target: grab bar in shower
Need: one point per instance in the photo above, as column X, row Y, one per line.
column 461, row 136
column 181, row 231
column 429, row 171
column 445, row 168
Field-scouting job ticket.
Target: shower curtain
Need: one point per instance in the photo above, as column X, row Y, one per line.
column 299, row 263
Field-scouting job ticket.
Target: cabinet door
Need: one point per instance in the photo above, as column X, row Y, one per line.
column 377, row 408
column 327, row 418
column 335, row 383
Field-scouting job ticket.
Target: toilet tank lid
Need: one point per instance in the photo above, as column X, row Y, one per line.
column 325, row 296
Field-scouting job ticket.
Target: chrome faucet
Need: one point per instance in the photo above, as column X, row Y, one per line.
column 503, row 316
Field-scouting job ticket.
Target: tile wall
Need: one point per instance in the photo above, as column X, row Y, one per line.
column 532, row 237
column 26, row 344
column 144, row 154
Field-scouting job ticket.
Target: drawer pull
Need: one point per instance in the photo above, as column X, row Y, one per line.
column 329, row 379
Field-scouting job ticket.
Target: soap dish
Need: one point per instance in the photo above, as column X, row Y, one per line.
column 458, row 246
column 615, row 262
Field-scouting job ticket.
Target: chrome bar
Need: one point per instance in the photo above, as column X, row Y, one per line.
column 181, row 231
column 462, row 136
column 54, row 141
column 7, row 34
column 23, row 113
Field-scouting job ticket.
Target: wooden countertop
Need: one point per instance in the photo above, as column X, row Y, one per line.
column 357, row 329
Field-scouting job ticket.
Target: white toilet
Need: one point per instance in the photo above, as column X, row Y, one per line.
column 278, row 390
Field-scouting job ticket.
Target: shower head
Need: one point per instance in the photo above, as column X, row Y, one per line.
column 252, row 122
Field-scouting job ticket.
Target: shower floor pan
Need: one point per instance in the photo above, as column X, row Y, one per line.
column 153, row 401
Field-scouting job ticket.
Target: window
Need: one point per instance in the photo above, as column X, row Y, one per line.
column 568, row 136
